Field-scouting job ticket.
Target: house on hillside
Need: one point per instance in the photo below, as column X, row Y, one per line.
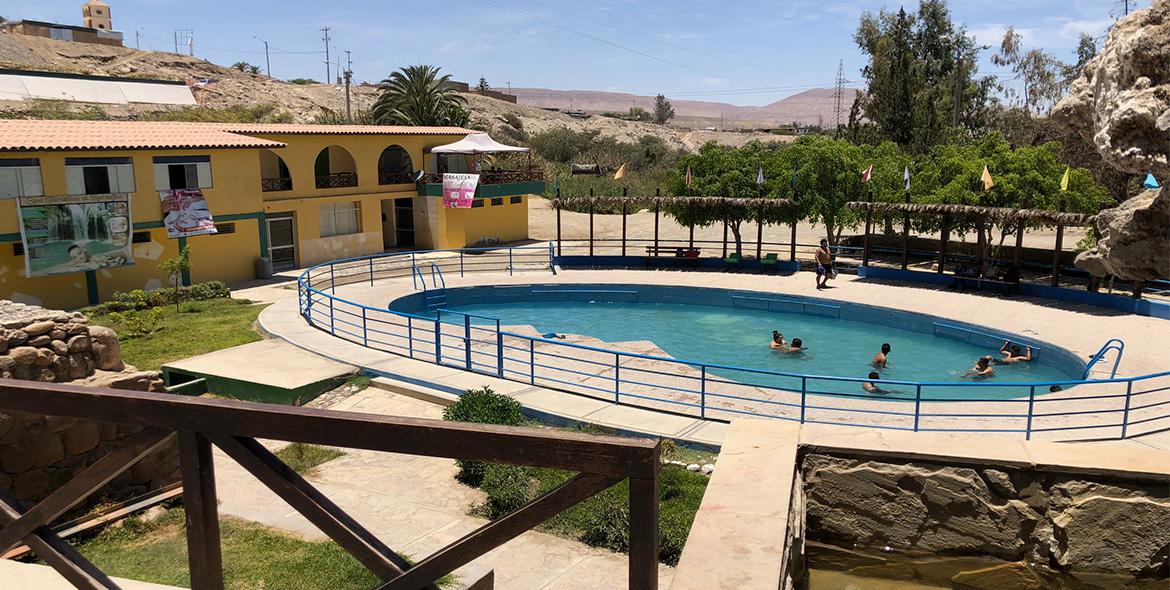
column 96, row 18
column 84, row 204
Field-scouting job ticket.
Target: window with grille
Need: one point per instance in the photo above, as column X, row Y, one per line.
column 182, row 172
column 99, row 176
column 517, row 200
column 338, row 219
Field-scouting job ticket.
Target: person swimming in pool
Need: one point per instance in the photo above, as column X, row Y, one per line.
column 879, row 360
column 981, row 370
column 1011, row 354
column 869, row 386
column 795, row 346
column 777, row 342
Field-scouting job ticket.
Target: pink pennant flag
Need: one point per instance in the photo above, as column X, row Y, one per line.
column 865, row 176
column 688, row 176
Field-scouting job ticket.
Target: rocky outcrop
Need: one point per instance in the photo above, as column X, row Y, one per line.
column 1121, row 105
column 1133, row 239
column 1069, row 524
column 39, row 453
column 1121, row 102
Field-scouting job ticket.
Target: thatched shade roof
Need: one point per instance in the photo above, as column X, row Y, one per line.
column 640, row 202
column 997, row 214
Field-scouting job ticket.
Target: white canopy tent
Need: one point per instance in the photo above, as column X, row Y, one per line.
column 478, row 143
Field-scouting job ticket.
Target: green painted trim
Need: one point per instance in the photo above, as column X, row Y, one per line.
column 148, row 225
column 262, row 228
column 186, row 278
column 91, row 287
column 10, row 237
column 509, row 189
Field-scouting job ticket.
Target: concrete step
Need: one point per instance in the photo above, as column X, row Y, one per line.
column 412, row 390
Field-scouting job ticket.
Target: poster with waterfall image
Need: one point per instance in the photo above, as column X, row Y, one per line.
column 75, row 233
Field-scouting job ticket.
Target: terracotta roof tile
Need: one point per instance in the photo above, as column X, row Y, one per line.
column 293, row 129
column 22, row 135
column 44, row 135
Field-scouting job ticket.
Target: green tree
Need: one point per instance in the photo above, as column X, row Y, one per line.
column 240, row 65
column 253, row 69
column 1086, row 51
column 663, row 110
column 482, row 86
column 417, row 95
column 639, row 114
column 176, row 269
column 1039, row 74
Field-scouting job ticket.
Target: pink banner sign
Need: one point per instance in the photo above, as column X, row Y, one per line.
column 185, row 213
column 459, row 190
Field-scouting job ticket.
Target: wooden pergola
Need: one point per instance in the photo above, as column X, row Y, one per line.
column 657, row 202
column 981, row 214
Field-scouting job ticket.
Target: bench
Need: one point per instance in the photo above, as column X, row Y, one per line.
column 688, row 255
column 1007, row 276
column 769, row 261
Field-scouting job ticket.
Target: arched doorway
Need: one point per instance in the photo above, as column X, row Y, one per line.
column 395, row 166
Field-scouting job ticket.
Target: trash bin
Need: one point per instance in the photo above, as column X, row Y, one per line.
column 264, row 268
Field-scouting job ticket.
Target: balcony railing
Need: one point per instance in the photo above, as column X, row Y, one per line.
column 234, row 427
column 395, row 178
column 275, row 184
column 496, row 177
column 338, row 180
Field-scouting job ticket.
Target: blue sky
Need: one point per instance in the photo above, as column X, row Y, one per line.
column 748, row 52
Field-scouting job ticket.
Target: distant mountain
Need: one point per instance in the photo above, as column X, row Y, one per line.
column 808, row 108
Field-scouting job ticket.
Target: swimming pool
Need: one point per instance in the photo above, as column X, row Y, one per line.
column 732, row 328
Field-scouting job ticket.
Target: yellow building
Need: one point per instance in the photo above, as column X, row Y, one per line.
column 298, row 195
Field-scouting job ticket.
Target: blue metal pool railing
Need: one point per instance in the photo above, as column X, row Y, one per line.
column 1112, row 344
column 1104, row 408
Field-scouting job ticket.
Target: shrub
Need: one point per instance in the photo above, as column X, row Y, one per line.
column 482, row 406
column 138, row 299
column 139, row 323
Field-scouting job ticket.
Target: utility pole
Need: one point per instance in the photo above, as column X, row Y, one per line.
column 326, row 40
column 348, row 74
column 137, row 44
column 267, row 62
column 839, row 95
column 509, row 87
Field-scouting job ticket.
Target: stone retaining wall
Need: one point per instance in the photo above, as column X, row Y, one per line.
column 1069, row 522
column 40, row 453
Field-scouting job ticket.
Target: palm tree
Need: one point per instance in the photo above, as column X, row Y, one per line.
column 417, row 95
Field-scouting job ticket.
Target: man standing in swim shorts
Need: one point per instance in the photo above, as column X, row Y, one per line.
column 824, row 264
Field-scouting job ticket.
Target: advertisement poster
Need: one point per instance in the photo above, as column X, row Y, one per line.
column 459, row 190
column 75, row 233
column 185, row 213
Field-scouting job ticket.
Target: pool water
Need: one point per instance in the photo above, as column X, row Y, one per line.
column 740, row 337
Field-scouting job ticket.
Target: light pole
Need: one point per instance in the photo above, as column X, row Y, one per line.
column 267, row 63
column 959, row 78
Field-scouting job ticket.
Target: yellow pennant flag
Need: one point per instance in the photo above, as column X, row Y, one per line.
column 987, row 182
column 621, row 173
column 1064, row 181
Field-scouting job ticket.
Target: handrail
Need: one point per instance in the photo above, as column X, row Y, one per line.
column 236, row 427
column 435, row 269
column 1119, row 347
column 712, row 391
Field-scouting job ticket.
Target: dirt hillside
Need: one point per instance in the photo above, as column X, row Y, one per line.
column 305, row 102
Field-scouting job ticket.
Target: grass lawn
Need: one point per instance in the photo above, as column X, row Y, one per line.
column 201, row 327
column 255, row 557
column 303, row 458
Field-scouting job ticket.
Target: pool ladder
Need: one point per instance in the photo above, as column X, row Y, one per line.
column 1113, row 344
column 436, row 296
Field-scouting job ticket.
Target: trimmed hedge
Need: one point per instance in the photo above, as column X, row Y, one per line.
column 482, row 406
column 138, row 299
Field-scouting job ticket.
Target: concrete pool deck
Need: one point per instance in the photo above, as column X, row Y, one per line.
column 1080, row 329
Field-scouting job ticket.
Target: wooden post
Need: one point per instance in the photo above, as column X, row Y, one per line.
column 624, row 194
column 795, row 214
column 657, row 195
column 644, row 533
column 1019, row 235
column 1137, row 289
column 591, row 222
column 1059, row 247
column 204, row 557
column 979, row 228
column 691, row 205
column 942, row 247
column 725, row 228
column 868, row 226
column 558, row 230
column 906, row 235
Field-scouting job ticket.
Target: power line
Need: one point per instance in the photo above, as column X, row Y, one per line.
column 839, row 94
column 669, row 44
column 612, row 44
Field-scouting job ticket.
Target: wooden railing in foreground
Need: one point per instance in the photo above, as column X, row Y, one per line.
column 234, row 427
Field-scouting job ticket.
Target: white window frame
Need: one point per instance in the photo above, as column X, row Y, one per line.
column 20, row 178
column 340, row 219
column 198, row 167
column 121, row 174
